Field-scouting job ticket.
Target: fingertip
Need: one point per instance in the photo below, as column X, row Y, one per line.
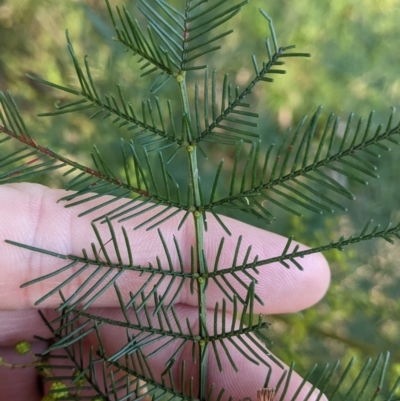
column 298, row 289
column 317, row 276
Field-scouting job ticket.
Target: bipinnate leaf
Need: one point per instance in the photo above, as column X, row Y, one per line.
column 166, row 339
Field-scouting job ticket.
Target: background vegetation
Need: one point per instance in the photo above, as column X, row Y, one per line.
column 355, row 67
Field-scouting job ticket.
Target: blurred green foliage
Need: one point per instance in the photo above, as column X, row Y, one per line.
column 355, row 66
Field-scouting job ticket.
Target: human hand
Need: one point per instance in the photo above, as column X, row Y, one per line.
column 30, row 215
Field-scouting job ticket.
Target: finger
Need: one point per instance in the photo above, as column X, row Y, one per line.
column 30, row 215
column 227, row 367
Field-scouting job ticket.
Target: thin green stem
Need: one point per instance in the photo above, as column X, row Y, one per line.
column 199, row 227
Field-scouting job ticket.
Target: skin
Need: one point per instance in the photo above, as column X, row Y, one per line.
column 29, row 214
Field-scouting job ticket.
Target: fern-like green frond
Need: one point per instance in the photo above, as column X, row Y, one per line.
column 81, row 372
column 150, row 127
column 147, row 334
column 242, row 330
column 222, row 119
column 175, row 40
column 100, row 273
column 151, row 55
column 11, row 118
column 294, row 256
column 29, row 159
column 231, row 284
column 228, row 119
column 140, row 190
column 93, row 375
column 347, row 154
column 199, row 23
column 368, row 384
column 140, row 182
column 135, row 365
